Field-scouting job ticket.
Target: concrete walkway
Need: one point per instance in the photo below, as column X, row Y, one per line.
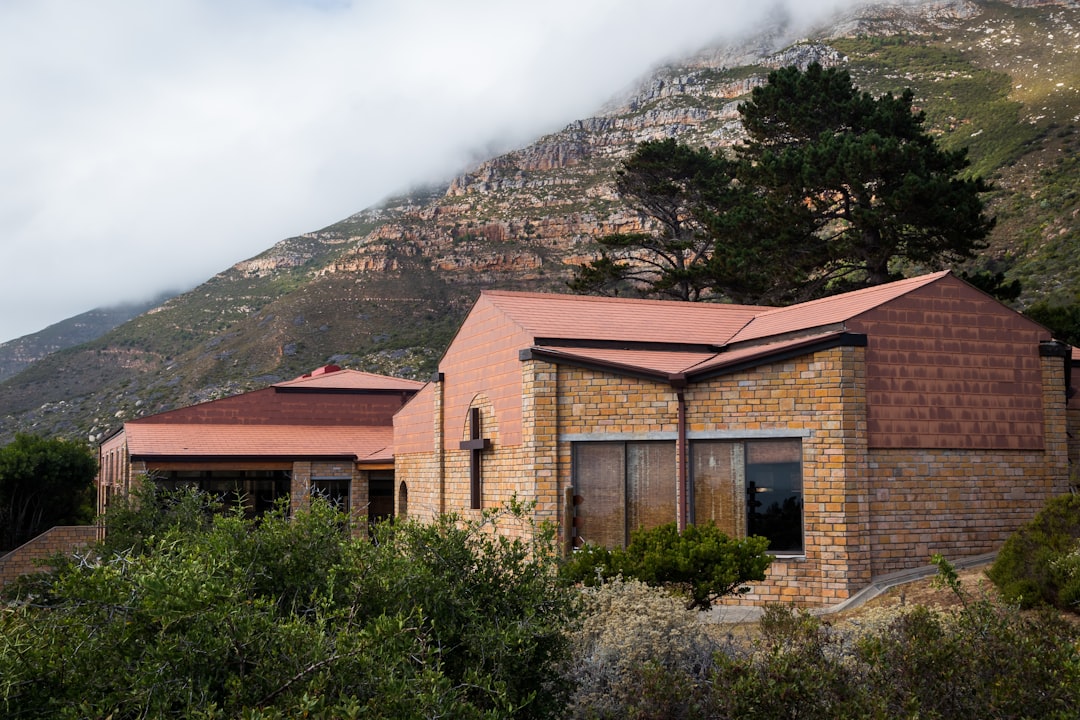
column 729, row 614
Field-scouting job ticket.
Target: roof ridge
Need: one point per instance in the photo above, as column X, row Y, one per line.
column 613, row 300
column 915, row 282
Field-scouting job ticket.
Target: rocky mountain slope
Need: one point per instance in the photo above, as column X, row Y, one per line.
column 19, row 354
column 383, row 290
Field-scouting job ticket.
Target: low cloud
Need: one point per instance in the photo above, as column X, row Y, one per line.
column 150, row 145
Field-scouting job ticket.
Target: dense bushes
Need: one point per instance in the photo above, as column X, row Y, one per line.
column 206, row 615
column 286, row 617
column 986, row 660
column 701, row 563
column 1040, row 563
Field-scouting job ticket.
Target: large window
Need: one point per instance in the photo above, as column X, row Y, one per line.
column 622, row 486
column 255, row 491
column 751, row 487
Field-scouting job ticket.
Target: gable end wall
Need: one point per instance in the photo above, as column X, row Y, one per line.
column 949, row 367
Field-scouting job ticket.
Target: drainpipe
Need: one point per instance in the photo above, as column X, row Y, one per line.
column 678, row 382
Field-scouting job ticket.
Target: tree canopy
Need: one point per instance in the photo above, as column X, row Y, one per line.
column 43, row 482
column 832, row 190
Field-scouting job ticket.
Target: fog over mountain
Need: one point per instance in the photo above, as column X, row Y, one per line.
column 150, row 145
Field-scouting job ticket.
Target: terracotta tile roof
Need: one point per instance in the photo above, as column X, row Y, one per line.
column 647, row 361
column 668, row 364
column 830, row 310
column 184, row 440
column 350, row 380
column 749, row 353
column 574, row 317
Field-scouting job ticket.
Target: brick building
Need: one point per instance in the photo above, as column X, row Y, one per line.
column 328, row 432
column 860, row 433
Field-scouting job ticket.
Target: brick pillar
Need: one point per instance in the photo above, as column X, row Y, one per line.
column 300, row 487
column 1053, row 356
column 540, row 437
column 856, row 550
column 358, row 502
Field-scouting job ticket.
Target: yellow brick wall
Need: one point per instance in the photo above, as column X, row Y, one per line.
column 964, row 503
column 866, row 512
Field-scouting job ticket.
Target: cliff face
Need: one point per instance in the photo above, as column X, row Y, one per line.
column 384, row 289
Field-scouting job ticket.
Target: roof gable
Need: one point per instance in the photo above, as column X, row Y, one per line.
column 829, row 311
column 553, row 317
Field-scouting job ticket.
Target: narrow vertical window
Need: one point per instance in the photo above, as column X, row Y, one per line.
column 774, row 493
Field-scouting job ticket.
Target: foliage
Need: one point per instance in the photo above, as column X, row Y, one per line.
column 831, row 190
column 986, row 660
column 43, row 482
column 148, row 512
column 683, row 190
column 288, row 617
column 797, row 669
column 1062, row 320
column 1037, row 564
column 630, row 631
column 701, row 563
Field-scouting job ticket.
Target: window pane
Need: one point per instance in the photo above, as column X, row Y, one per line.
column 774, row 495
column 599, row 479
column 333, row 490
column 719, row 496
column 650, row 484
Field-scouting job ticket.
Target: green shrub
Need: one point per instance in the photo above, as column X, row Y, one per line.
column 1034, row 565
column 988, row 660
column 798, row 669
column 220, row 617
column 701, row 563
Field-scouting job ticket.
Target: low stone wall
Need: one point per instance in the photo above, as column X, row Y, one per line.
column 62, row 539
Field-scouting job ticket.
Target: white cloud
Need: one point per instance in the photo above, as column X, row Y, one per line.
column 146, row 146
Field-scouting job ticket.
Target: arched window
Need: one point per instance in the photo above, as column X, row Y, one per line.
column 403, row 500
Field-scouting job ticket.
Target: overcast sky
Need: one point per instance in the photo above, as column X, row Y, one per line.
column 146, row 145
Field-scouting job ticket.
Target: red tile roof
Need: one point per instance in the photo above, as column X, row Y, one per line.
column 613, row 320
column 350, row 380
column 574, row 317
column 648, row 361
column 750, row 353
column 830, row 310
column 191, row 441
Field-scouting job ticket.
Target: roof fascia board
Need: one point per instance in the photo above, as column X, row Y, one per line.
column 147, row 457
column 536, row 353
column 625, row 345
column 840, row 339
column 344, row 391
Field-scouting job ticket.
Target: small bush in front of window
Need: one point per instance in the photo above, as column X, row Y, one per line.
column 701, row 563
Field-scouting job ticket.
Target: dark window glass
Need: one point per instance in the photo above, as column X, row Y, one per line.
column 333, row 490
column 774, row 493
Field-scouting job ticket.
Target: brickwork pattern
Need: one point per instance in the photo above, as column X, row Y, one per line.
column 270, row 406
column 61, row 539
column 483, row 358
column 949, row 367
column 1073, row 424
column 961, row 503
